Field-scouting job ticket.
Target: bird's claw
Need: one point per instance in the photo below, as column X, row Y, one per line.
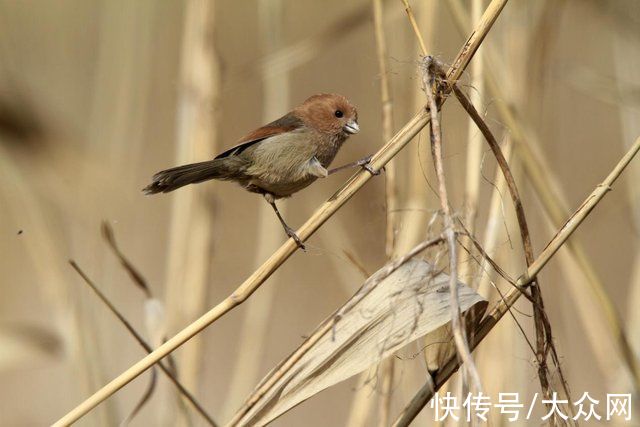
column 369, row 169
column 295, row 237
column 364, row 161
column 366, row 165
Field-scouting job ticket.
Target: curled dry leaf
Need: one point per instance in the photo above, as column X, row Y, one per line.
column 412, row 302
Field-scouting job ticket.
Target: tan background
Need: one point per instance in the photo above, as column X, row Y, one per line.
column 103, row 79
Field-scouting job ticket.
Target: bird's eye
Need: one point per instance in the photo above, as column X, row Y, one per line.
column 339, row 113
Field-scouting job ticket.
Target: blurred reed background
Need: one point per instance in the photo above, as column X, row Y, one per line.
column 96, row 96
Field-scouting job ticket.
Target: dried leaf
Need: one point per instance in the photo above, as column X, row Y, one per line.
column 412, row 302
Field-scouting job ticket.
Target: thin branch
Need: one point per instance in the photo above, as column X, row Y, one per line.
column 485, row 256
column 422, row 397
column 320, row 216
column 494, row 265
column 544, row 337
column 391, row 186
column 136, row 276
column 189, row 249
column 143, row 343
column 252, row 339
column 474, row 142
column 414, row 25
column 386, row 367
column 459, row 334
column 138, row 279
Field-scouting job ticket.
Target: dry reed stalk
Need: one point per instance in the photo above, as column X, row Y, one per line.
column 474, row 143
column 492, row 318
column 544, row 339
column 431, row 86
column 414, row 25
column 503, row 359
column 167, row 371
column 154, row 312
column 416, row 203
column 253, row 334
column 391, row 185
column 408, row 206
column 498, row 372
column 473, row 165
column 540, row 48
column 115, row 129
column 416, row 206
column 548, row 189
column 319, row 217
column 191, row 226
column 46, row 256
column 391, row 195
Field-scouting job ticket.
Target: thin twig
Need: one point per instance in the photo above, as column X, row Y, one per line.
column 138, row 279
column 414, row 25
column 191, row 223
column 459, row 335
column 427, row 391
column 253, row 338
column 387, row 367
column 494, row 265
column 391, row 189
column 136, row 276
column 485, row 256
column 320, row 216
column 473, row 169
column 496, row 223
column 544, row 337
column 429, row 82
column 142, row 343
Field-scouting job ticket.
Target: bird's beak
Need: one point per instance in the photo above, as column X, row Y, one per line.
column 351, row 127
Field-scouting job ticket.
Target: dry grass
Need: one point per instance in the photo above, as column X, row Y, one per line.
column 82, row 129
column 497, row 312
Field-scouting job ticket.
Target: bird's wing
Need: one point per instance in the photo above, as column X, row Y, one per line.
column 284, row 124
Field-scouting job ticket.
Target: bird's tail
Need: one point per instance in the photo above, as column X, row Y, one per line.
column 174, row 178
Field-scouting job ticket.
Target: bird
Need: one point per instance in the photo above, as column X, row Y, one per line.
column 279, row 158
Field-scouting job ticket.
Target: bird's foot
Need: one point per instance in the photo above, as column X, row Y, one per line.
column 291, row 233
column 366, row 165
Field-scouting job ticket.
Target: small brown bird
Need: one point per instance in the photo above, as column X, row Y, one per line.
column 280, row 158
